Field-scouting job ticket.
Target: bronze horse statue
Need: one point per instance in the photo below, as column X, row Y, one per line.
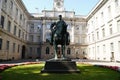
column 59, row 36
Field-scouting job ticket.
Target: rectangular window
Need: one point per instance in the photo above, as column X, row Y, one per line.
column 102, row 16
column 103, row 32
column 116, row 3
column 38, row 51
column 9, row 26
column 13, row 47
column 119, row 47
column 20, row 16
column 112, row 47
column 110, row 29
column 5, row 1
column 11, row 5
column 118, row 25
column 2, row 21
column 7, row 45
column 31, row 50
column 38, row 39
column 15, row 30
column 16, row 12
column 18, row 48
column 19, row 33
column 98, row 50
column 109, row 11
column 0, row 43
column 31, row 38
column 93, row 37
column 104, row 49
column 32, row 28
column 98, row 35
column 23, row 35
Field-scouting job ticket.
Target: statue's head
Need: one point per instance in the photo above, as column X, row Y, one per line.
column 60, row 17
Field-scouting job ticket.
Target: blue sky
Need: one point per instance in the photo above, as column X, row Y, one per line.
column 81, row 7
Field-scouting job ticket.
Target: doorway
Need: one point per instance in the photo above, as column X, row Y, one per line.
column 23, row 52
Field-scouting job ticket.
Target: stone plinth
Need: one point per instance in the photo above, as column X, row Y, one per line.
column 59, row 66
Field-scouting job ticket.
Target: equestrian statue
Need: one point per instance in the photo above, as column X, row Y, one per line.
column 59, row 36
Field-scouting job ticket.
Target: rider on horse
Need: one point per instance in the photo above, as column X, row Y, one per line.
column 59, row 36
column 57, row 26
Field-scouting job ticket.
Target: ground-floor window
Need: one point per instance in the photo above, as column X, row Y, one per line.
column 7, row 45
column 47, row 50
column 38, row 52
column 119, row 46
column 68, row 51
column 0, row 44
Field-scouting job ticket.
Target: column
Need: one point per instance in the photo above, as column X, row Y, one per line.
column 43, row 31
column 72, row 39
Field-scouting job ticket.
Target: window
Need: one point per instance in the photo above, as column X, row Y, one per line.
column 109, row 11
column 32, row 28
column 47, row 50
column 18, row 48
column 118, row 25
column 103, row 32
column 20, row 16
column 104, row 49
column 13, row 47
column 98, row 49
column 112, row 47
column 110, row 29
column 9, row 26
column 116, row 3
column 11, row 5
column 5, row 1
column 31, row 50
column 119, row 47
column 93, row 37
column 0, row 43
column 7, row 45
column 102, row 17
column 89, row 38
column 38, row 52
column 16, row 12
column 15, row 30
column 31, row 38
column 2, row 21
column 97, row 35
column 38, row 40
column 23, row 35
column 48, row 26
column 19, row 33
column 68, row 51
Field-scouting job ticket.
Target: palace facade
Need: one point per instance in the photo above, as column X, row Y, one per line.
column 26, row 35
column 104, row 31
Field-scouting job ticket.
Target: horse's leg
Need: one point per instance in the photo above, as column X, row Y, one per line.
column 55, row 50
column 63, row 51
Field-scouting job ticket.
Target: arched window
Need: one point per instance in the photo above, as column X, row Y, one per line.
column 68, row 51
column 47, row 50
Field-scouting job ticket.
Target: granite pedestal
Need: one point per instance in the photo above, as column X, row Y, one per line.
column 60, row 66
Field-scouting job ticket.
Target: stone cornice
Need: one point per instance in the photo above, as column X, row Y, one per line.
column 96, row 8
column 21, row 4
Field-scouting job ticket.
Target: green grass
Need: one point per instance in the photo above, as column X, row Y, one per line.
column 32, row 72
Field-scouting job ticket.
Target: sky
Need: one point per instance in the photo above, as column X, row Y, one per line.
column 81, row 7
